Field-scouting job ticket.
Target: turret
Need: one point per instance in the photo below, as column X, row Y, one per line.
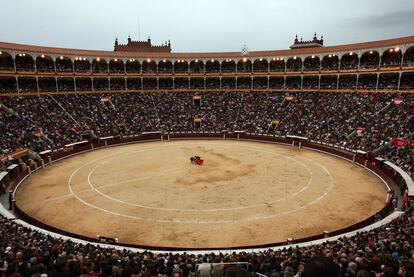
column 315, row 42
column 141, row 46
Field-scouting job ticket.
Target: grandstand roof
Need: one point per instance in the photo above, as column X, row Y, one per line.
column 286, row 52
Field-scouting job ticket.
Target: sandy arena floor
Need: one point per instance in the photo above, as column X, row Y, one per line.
column 246, row 193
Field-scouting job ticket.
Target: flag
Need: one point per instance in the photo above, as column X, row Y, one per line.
column 360, row 131
column 400, row 142
column 289, row 98
column 38, row 133
column 275, row 121
column 104, row 99
column 18, row 154
column 397, row 100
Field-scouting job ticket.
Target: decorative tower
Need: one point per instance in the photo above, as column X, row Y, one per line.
column 315, row 42
column 141, row 46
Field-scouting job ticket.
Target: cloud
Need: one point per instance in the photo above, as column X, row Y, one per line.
column 400, row 19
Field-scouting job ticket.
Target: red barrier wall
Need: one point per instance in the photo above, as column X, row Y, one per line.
column 386, row 173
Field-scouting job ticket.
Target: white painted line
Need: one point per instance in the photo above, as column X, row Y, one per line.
column 196, row 221
column 97, row 189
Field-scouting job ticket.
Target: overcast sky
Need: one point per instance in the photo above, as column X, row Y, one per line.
column 202, row 25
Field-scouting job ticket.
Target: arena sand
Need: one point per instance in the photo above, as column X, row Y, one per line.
column 246, row 193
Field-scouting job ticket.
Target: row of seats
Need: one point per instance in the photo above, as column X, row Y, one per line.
column 384, row 81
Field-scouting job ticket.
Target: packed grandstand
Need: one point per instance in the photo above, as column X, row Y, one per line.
column 357, row 97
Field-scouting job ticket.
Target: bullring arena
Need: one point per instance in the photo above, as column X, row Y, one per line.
column 149, row 194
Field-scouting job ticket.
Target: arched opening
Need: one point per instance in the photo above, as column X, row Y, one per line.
column 101, row 84
column 6, row 61
column 116, row 66
column 149, row 83
column 330, row 62
column 293, row 82
column 181, row 83
column 408, row 57
column 212, row 83
column 83, row 84
column 149, row 67
column 44, row 64
column 347, row 81
column 8, row 84
column 165, row 66
column 391, row 58
column 310, row 82
column 276, row 82
column 66, row 84
column 47, row 84
column 260, row 65
column 134, row 83
column 82, row 65
column 367, row 81
column 133, row 66
column 27, row 84
column 312, row 63
column 407, row 81
column 196, row 66
column 63, row 64
column 228, row 66
column 181, row 66
column 369, row 59
column 277, row 65
column 259, row 82
column 329, row 81
column 294, row 64
column 388, row 81
column 244, row 83
column 228, row 83
column 349, row 61
column 166, row 83
column 244, row 66
column 212, row 66
column 117, row 84
column 99, row 65
column 24, row 62
column 197, row 83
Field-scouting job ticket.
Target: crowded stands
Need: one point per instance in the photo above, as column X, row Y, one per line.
column 363, row 81
column 386, row 251
column 365, row 121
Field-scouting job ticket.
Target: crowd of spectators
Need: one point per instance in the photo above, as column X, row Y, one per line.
column 386, row 251
column 368, row 81
column 365, row 80
column 364, row 121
